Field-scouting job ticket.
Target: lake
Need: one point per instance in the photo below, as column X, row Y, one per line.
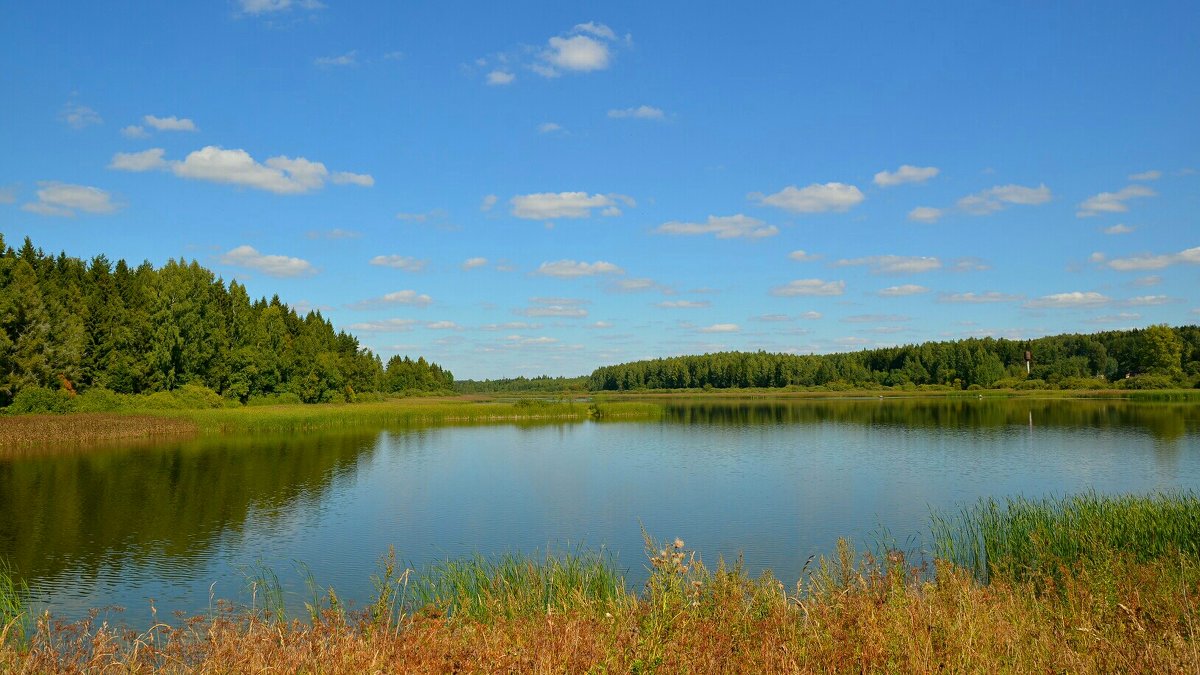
column 180, row 523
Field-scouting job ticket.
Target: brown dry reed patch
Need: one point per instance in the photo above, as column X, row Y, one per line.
column 35, row 431
column 850, row 613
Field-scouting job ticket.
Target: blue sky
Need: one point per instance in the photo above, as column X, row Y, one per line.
column 543, row 188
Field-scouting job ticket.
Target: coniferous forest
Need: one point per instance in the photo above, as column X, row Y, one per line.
column 74, row 326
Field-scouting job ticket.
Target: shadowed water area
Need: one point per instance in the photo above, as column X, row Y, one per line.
column 182, row 522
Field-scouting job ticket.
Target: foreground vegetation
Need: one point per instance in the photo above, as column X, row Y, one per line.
column 1103, row 607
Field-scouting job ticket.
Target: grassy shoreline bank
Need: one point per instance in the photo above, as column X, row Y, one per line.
column 1104, row 607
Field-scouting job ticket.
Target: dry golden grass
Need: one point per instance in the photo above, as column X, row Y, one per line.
column 32, row 431
column 1115, row 615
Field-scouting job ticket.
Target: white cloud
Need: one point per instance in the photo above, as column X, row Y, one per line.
column 511, row 325
column 1069, row 300
column 905, row 174
column 272, row 6
column 79, row 116
column 810, row 287
column 925, row 214
column 600, row 325
column 1146, row 175
column 472, row 263
column 1119, row 228
column 281, row 175
column 989, row 296
column 171, row 123
column 876, row 318
column 683, row 304
column 904, row 289
column 549, row 127
column 815, row 198
column 800, row 255
column 271, row 265
column 335, row 233
column 1112, row 202
column 578, row 53
column 1144, row 300
column 566, row 308
column 488, row 202
column 500, row 78
column 400, row 262
column 638, row 285
column 894, row 264
column 550, row 205
column 811, row 316
column 1001, row 196
column 1121, row 317
column 724, row 227
column 405, row 297
column 147, row 160
column 720, row 328
column 8, row 194
column 348, row 178
column 134, row 131
column 597, row 29
column 568, row 269
column 64, row 199
column 642, row 112
column 350, row 58
column 1152, row 280
column 384, row 325
column 443, row 325
column 1189, row 256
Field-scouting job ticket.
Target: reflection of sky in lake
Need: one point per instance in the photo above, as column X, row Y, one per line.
column 777, row 487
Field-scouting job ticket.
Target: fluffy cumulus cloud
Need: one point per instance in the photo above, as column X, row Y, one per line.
column 171, row 123
column 638, row 285
column 472, row 263
column 405, row 297
column 800, row 255
column 549, row 127
column 1119, row 228
column 1145, row 300
column 65, row 199
column 1112, row 202
column 563, row 308
column 1146, row 175
column 1189, row 256
column 893, row 264
column 488, row 202
column 569, row 269
column 925, row 214
column 146, row 160
column 281, row 175
column 1072, row 300
column 816, row 198
column 905, row 174
column 1001, row 197
column 978, row 298
column 809, row 287
column 585, row 48
column 400, row 262
column 280, row 266
column 642, row 112
column 902, row 290
column 723, row 227
column 551, row 205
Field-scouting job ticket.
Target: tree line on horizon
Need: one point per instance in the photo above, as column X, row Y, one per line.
column 1155, row 357
column 71, row 326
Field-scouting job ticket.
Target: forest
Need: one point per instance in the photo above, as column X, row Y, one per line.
column 1157, row 357
column 68, row 326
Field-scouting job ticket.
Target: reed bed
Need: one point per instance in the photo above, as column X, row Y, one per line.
column 566, row 614
column 1022, row 538
column 31, row 431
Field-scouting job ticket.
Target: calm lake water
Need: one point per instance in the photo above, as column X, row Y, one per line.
column 181, row 522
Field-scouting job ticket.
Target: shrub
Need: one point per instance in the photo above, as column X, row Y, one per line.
column 1146, row 382
column 99, row 399
column 285, row 398
column 41, row 400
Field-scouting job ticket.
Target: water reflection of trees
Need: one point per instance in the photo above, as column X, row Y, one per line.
column 87, row 510
column 1164, row 421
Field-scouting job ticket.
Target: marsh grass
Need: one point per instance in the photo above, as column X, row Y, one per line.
column 19, row 432
column 1022, row 538
column 14, row 605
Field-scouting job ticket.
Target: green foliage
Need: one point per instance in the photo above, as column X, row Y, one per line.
column 1030, row 538
column 285, row 398
column 543, row 384
column 82, row 326
column 1061, row 361
column 14, row 605
column 41, row 400
column 1147, row 382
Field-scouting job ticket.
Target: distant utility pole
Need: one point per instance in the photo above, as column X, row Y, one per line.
column 1028, row 358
